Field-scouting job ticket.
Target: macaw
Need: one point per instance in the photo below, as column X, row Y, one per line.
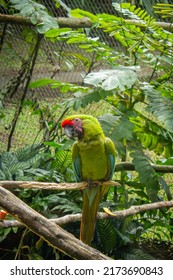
column 93, row 157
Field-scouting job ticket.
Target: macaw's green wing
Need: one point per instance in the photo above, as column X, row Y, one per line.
column 111, row 152
column 77, row 165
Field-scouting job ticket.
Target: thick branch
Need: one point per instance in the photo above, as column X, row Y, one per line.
column 62, row 21
column 50, row 186
column 76, row 23
column 47, row 229
column 133, row 210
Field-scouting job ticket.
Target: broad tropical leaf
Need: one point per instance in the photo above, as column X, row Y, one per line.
column 120, row 77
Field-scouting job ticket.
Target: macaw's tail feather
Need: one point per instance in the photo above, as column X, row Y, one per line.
column 91, row 199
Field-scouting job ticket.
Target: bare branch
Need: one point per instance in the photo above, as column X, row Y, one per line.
column 133, row 210
column 51, row 186
column 43, row 185
column 48, row 230
column 62, row 21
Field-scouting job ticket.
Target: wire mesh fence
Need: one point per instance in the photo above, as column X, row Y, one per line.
column 53, row 61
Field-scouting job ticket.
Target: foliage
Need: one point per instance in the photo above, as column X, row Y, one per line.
column 119, row 77
column 139, row 121
column 166, row 10
column 37, row 14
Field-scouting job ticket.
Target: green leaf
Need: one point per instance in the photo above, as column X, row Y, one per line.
column 160, row 106
column 166, row 188
column 37, row 13
column 83, row 100
column 117, row 127
column 47, row 24
column 78, row 13
column 147, row 174
column 107, row 234
column 64, row 87
column 41, row 83
column 120, row 77
column 57, row 32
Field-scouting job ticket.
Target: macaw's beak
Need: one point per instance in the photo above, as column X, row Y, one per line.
column 72, row 131
column 69, row 131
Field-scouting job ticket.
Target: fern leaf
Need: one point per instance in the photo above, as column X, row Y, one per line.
column 27, row 152
column 63, row 160
column 84, row 100
column 147, row 175
column 117, row 127
column 161, row 107
column 107, row 234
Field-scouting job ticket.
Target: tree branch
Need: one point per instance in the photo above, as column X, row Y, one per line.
column 48, row 230
column 131, row 167
column 62, row 21
column 133, row 210
column 76, row 23
column 51, row 186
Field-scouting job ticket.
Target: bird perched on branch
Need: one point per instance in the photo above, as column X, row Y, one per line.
column 93, row 156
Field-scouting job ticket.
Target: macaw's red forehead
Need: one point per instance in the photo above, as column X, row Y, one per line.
column 66, row 122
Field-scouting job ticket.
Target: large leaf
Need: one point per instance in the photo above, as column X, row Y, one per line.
column 37, row 13
column 120, row 77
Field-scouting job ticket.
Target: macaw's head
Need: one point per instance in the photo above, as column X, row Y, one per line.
column 73, row 127
column 81, row 126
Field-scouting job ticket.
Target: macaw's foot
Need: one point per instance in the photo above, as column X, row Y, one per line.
column 89, row 181
column 93, row 184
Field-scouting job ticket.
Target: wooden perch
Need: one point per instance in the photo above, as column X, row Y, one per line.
column 47, row 229
column 133, row 210
column 50, row 186
column 42, row 185
column 76, row 23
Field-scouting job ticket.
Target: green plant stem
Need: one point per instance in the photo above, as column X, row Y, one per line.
column 18, row 252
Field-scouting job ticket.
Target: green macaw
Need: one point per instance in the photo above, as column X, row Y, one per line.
column 93, row 156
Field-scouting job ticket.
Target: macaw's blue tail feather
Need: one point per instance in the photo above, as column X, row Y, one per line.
column 91, row 199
